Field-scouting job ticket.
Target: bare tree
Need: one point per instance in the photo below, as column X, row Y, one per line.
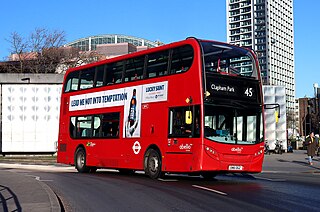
column 39, row 53
column 18, row 46
column 43, row 52
column 46, row 46
column 74, row 58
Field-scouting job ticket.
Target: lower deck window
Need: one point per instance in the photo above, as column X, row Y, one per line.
column 95, row 126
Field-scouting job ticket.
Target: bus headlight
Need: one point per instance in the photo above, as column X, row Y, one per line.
column 211, row 152
column 258, row 153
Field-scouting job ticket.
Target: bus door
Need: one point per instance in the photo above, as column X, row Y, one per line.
column 184, row 133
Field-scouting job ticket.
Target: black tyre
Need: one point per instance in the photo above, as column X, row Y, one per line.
column 126, row 171
column 208, row 175
column 152, row 164
column 80, row 161
column 93, row 169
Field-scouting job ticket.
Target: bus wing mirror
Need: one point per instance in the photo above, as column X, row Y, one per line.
column 275, row 106
column 188, row 117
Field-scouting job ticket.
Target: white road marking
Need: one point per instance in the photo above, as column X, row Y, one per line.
column 167, row 180
column 272, row 180
column 38, row 178
column 277, row 172
column 209, row 189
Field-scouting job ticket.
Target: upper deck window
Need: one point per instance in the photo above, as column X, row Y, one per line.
column 99, row 76
column 182, row 58
column 157, row 64
column 72, row 82
column 114, row 72
column 87, row 78
column 228, row 59
column 134, row 69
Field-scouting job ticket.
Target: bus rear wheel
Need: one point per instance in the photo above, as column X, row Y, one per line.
column 80, row 161
column 152, row 164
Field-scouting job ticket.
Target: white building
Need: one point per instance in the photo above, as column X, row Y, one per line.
column 275, row 130
column 266, row 26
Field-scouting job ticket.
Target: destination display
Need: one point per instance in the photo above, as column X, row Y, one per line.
column 235, row 88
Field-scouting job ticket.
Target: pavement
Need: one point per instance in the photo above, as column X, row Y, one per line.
column 295, row 162
column 21, row 193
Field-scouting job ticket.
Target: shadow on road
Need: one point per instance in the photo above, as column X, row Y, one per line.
column 9, row 200
column 300, row 163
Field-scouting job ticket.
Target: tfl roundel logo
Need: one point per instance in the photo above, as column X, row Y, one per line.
column 136, row 147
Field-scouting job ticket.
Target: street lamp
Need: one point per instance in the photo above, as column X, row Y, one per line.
column 26, row 79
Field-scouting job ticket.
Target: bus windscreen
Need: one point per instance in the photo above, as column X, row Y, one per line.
column 229, row 59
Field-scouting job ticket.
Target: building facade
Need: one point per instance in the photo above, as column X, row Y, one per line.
column 309, row 114
column 90, row 43
column 266, row 26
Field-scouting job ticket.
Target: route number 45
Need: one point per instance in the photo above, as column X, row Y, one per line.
column 248, row 92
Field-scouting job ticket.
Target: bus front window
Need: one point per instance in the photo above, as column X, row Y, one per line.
column 233, row 125
column 228, row 59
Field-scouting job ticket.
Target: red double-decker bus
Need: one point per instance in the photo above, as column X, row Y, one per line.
column 193, row 106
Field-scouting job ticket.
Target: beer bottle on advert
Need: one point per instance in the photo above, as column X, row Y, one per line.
column 133, row 108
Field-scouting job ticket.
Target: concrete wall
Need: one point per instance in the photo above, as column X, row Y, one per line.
column 6, row 78
column 24, row 130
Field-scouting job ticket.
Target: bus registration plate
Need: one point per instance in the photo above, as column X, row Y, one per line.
column 236, row 168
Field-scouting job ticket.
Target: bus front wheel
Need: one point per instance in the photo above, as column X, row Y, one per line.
column 152, row 164
column 80, row 161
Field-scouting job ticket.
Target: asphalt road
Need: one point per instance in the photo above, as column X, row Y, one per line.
column 286, row 184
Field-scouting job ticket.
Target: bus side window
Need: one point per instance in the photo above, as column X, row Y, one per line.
column 177, row 125
column 87, row 78
column 110, row 79
column 116, row 69
column 97, row 126
column 157, row 64
column 72, row 128
column 177, row 122
column 182, row 58
column 134, row 69
column 110, row 125
column 84, row 126
column 72, row 81
column 99, row 76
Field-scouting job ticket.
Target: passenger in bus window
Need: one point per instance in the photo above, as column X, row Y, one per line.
column 110, row 81
column 97, row 132
column 187, row 129
column 197, row 126
column 72, row 130
column 182, row 69
column 177, row 123
column 78, row 131
column 110, row 134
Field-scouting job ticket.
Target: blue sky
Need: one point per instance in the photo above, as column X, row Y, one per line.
column 166, row 20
